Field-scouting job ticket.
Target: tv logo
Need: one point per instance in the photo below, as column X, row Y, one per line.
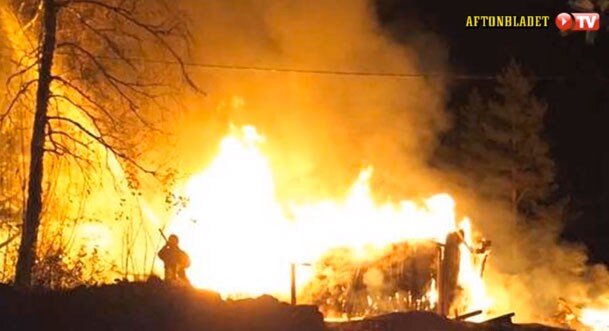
column 578, row 21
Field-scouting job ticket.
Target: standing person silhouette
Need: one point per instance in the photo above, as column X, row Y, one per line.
column 175, row 259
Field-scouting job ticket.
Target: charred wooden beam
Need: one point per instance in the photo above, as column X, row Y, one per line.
column 468, row 315
column 440, row 282
column 449, row 272
column 503, row 319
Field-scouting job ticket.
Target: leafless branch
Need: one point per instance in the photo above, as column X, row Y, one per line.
column 61, row 150
column 68, row 136
column 95, row 121
column 101, row 140
column 86, row 97
column 20, row 72
column 117, row 83
column 9, row 240
column 156, row 31
column 22, row 90
column 101, row 33
column 31, row 56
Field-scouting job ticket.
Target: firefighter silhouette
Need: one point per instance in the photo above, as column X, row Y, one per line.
column 175, row 259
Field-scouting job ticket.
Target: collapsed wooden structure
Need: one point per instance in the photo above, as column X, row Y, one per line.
column 410, row 276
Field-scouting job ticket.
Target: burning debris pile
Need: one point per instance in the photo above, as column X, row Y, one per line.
column 577, row 317
column 412, row 275
column 403, row 279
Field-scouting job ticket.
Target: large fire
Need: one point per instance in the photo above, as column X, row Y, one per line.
column 242, row 239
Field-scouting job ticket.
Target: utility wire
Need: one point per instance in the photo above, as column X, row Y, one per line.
column 329, row 72
column 217, row 66
column 333, row 72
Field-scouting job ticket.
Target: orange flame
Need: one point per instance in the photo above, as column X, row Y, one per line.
column 242, row 243
column 595, row 319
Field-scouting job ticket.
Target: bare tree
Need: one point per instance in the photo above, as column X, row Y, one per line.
column 93, row 80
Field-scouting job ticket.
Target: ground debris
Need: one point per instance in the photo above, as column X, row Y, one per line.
column 157, row 306
column 428, row 321
column 150, row 307
column 410, row 321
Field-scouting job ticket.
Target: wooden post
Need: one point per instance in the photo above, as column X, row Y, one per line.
column 449, row 271
column 440, row 281
column 293, row 283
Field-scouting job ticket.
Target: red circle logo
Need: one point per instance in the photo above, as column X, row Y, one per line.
column 564, row 21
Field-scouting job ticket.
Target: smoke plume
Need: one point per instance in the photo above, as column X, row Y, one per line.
column 322, row 129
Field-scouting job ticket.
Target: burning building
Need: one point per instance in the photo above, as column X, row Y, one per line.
column 355, row 257
column 306, row 199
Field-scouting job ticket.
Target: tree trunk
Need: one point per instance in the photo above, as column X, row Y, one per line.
column 31, row 221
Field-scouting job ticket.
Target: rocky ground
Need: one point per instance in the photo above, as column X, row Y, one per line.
column 156, row 306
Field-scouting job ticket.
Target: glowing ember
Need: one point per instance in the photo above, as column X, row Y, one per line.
column 432, row 295
column 242, row 243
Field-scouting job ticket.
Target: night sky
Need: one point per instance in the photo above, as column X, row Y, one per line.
column 577, row 118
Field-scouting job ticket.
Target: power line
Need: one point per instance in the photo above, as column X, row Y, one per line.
column 304, row 71
column 219, row 66
column 237, row 67
column 325, row 71
column 335, row 72
column 400, row 75
column 453, row 76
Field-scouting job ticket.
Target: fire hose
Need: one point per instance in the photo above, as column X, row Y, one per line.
column 163, row 235
column 154, row 257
